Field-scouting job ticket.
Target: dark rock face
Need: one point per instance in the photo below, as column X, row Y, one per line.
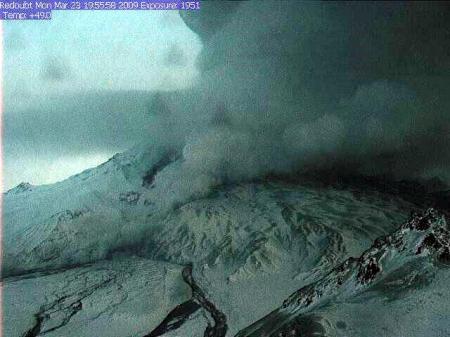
column 22, row 187
column 219, row 329
column 438, row 243
column 149, row 177
column 368, row 271
column 420, row 223
column 429, row 242
column 178, row 316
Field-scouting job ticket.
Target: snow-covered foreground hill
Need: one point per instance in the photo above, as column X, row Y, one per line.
column 119, row 298
column 397, row 282
column 69, row 270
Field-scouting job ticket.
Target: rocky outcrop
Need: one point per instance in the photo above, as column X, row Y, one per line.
column 22, row 187
column 425, row 236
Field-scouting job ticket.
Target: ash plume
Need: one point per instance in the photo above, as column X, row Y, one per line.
column 288, row 87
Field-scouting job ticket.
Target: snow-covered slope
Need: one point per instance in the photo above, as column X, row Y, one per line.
column 403, row 263
column 256, row 225
column 399, row 285
column 246, row 240
column 79, row 219
column 126, row 297
column 251, row 245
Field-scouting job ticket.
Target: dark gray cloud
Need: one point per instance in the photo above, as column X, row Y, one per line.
column 290, row 86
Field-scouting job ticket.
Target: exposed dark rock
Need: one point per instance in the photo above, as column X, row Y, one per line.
column 435, row 243
column 149, row 177
column 219, row 329
column 368, row 271
column 57, row 314
column 430, row 241
column 421, row 223
column 36, row 329
column 22, row 187
column 178, row 316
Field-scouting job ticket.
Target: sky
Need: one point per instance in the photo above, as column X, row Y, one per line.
column 76, row 88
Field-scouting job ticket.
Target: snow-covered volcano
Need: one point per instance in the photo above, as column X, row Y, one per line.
column 251, row 245
column 111, row 209
column 268, row 200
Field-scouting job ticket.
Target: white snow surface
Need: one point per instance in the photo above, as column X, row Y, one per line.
column 126, row 297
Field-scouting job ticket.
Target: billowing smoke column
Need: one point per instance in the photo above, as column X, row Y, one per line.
column 292, row 86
